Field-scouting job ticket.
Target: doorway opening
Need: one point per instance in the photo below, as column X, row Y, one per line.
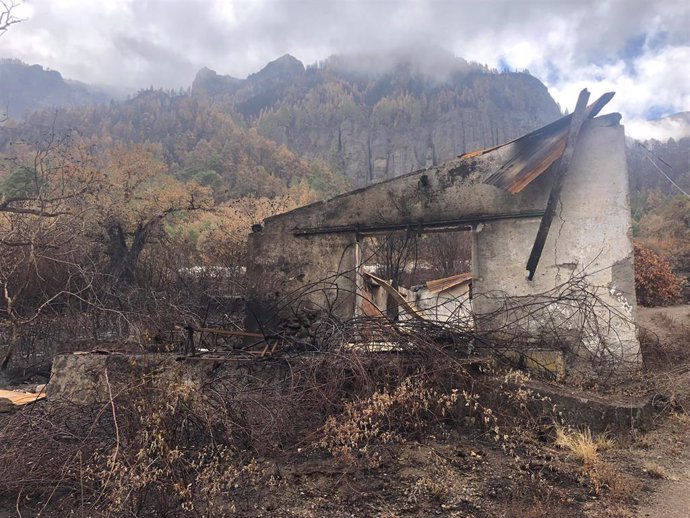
column 411, row 275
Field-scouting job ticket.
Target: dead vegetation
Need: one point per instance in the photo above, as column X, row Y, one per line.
column 408, row 434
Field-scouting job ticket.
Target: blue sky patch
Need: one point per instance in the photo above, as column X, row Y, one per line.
column 634, row 47
column 503, row 65
column 658, row 111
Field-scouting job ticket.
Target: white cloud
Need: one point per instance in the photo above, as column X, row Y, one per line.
column 659, row 84
column 638, row 48
column 658, row 129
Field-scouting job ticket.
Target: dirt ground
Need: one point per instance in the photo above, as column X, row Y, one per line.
column 657, row 320
column 670, row 441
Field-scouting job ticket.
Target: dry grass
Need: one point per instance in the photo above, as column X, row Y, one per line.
column 620, row 487
column 582, row 444
column 603, row 477
column 544, row 504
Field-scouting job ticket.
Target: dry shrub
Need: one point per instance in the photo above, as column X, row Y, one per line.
column 384, row 417
column 156, row 446
column 379, row 406
column 655, row 282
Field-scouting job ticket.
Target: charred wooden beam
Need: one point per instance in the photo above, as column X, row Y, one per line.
column 578, row 118
column 451, row 224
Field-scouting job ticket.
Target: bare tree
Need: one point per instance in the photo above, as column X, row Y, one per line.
column 40, row 223
column 448, row 253
column 7, row 18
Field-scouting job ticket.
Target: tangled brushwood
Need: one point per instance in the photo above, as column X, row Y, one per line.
column 217, row 438
column 157, row 445
column 224, row 434
column 173, row 443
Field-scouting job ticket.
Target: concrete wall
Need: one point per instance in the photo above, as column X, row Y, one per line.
column 289, row 274
column 591, row 234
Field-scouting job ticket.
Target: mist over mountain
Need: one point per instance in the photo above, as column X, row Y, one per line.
column 655, row 165
column 675, row 126
column 366, row 117
column 26, row 88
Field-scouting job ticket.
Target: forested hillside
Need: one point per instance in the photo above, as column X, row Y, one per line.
column 659, row 183
column 345, row 122
column 196, row 138
column 368, row 117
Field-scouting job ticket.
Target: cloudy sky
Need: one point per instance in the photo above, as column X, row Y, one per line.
column 638, row 48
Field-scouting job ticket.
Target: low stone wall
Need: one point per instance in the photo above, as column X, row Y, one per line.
column 84, row 378
column 255, row 386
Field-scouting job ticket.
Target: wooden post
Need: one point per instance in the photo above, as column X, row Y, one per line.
column 359, row 280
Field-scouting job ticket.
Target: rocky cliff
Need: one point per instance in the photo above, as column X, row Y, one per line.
column 377, row 118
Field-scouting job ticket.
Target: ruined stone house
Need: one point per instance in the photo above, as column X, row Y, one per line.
column 556, row 198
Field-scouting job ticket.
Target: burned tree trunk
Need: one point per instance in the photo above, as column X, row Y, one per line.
column 124, row 257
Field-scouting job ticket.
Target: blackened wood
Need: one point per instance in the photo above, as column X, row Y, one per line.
column 562, row 166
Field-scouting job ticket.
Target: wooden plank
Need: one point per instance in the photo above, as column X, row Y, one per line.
column 578, row 118
column 17, row 398
column 227, row 332
column 396, row 296
column 439, row 285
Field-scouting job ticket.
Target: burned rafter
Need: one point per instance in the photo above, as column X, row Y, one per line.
column 463, row 223
column 514, row 165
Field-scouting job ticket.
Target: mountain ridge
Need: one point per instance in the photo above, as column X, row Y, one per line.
column 25, row 88
column 369, row 117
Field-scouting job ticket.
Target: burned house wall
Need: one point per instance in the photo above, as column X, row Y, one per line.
column 288, row 272
column 307, row 257
column 289, row 275
column 586, row 269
